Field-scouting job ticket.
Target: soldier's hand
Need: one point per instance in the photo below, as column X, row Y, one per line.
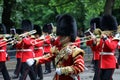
column 30, row 62
column 54, row 50
column 58, row 71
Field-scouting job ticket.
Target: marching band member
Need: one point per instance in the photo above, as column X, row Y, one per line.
column 69, row 59
column 47, row 29
column 27, row 52
column 38, row 50
column 93, row 43
column 3, row 54
column 18, row 57
column 107, row 47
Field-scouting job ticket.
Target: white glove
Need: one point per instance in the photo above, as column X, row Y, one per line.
column 58, row 71
column 93, row 36
column 30, row 61
column 119, row 43
column 117, row 36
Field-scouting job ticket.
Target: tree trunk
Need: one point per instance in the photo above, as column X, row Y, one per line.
column 7, row 10
column 108, row 6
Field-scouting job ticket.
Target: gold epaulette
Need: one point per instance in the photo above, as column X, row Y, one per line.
column 77, row 51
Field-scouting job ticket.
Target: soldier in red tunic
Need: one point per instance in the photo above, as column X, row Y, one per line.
column 27, row 52
column 3, row 53
column 18, row 57
column 69, row 59
column 107, row 47
column 38, row 50
column 47, row 29
column 93, row 43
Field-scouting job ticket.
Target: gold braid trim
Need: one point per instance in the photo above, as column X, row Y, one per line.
column 67, row 70
column 77, row 51
column 54, row 50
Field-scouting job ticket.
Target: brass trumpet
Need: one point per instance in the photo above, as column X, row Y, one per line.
column 96, row 33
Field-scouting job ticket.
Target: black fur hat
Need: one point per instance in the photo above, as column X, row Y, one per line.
column 95, row 22
column 27, row 25
column 2, row 29
column 47, row 28
column 38, row 29
column 66, row 26
column 108, row 22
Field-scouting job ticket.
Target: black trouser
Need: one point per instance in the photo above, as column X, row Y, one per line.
column 18, row 67
column 97, row 70
column 38, row 70
column 106, row 74
column 25, row 69
column 48, row 65
column 53, row 63
column 4, row 71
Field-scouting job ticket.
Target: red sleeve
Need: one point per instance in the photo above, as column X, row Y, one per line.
column 40, row 43
column 111, row 44
column 27, row 41
column 47, row 40
column 44, row 60
column 78, row 64
column 77, row 42
column 89, row 43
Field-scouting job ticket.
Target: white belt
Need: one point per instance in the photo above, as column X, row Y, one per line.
column 2, row 50
column 25, row 50
column 106, row 53
column 38, row 48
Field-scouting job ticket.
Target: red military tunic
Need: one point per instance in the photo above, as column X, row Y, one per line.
column 57, row 43
column 27, row 49
column 47, row 44
column 77, row 42
column 107, row 56
column 71, row 63
column 3, row 53
column 19, row 52
column 95, row 50
column 38, row 48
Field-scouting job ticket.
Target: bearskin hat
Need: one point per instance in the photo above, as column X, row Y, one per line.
column 38, row 29
column 2, row 29
column 66, row 26
column 108, row 22
column 26, row 25
column 19, row 31
column 47, row 28
column 95, row 22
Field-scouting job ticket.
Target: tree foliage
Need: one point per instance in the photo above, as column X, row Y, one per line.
column 45, row 11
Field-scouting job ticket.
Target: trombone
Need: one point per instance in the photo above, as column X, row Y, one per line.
column 11, row 40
